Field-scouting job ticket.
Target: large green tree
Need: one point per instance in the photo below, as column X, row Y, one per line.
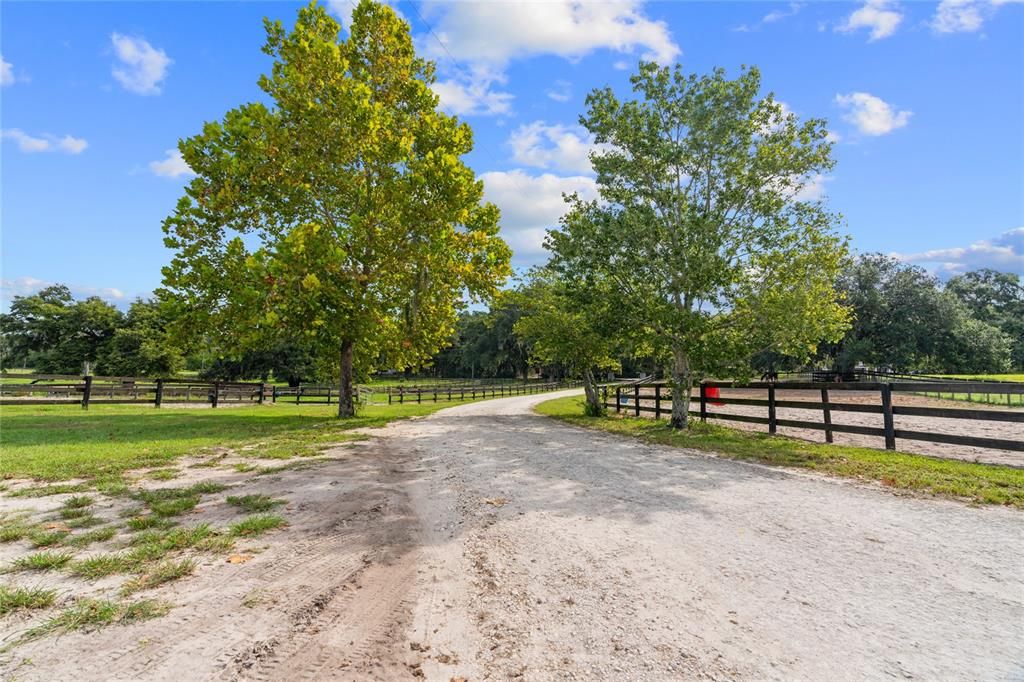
column 996, row 298
column 341, row 210
column 701, row 227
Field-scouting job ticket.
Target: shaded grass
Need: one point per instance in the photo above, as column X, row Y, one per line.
column 14, row 527
column 58, row 442
column 137, row 523
column 41, row 561
column 255, row 503
column 163, row 572
column 17, row 598
column 979, row 483
column 78, row 502
column 84, row 521
column 175, row 506
column 88, row 538
column 256, row 525
column 163, row 474
column 91, row 614
column 46, row 538
column 102, row 565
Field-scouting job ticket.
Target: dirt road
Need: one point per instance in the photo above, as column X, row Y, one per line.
column 485, row 542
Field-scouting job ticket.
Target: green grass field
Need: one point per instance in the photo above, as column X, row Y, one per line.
column 978, row 483
column 57, row 442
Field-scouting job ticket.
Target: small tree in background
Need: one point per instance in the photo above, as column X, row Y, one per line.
column 700, row 230
column 573, row 324
column 342, row 213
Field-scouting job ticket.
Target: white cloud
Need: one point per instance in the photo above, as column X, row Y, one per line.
column 562, row 91
column 27, row 286
column 772, row 17
column 530, row 204
column 6, row 72
column 143, row 66
column 557, row 147
column 880, row 16
column 964, row 16
column 813, row 189
column 173, row 166
column 621, row 65
column 1004, row 253
column 46, row 143
column 474, row 95
column 487, row 36
column 871, row 115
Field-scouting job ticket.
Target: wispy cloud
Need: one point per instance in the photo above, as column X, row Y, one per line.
column 6, row 72
column 27, row 286
column 871, row 115
column 173, row 166
column 1004, row 253
column 561, row 92
column 29, row 144
column 142, row 67
column 880, row 17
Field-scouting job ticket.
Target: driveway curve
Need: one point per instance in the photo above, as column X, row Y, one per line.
column 558, row 552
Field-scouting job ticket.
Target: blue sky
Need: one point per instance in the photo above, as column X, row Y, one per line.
column 926, row 100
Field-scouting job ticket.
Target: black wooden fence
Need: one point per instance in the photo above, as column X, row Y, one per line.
column 419, row 394
column 90, row 390
column 633, row 398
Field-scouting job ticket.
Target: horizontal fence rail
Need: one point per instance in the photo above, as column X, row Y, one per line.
column 419, row 394
column 92, row 390
column 658, row 399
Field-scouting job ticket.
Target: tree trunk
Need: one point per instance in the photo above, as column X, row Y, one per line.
column 594, row 406
column 345, row 406
column 682, row 382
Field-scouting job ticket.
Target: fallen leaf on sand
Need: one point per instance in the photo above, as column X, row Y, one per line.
column 56, row 526
column 496, row 501
column 239, row 558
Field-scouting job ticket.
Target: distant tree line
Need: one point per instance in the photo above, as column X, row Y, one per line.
column 903, row 319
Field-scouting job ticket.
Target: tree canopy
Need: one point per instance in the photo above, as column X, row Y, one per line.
column 702, row 228
column 342, row 211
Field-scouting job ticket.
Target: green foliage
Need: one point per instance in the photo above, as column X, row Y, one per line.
column 570, row 321
column 141, row 346
column 362, row 225
column 78, row 502
column 702, row 231
column 149, row 522
column 997, row 299
column 46, row 538
column 18, row 598
column 904, row 321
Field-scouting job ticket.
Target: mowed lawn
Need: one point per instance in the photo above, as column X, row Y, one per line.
column 59, row 442
column 977, row 483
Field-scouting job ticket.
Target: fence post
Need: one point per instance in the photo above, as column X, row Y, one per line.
column 827, row 415
column 216, row 393
column 419, row 396
column 389, row 396
column 618, row 398
column 636, row 400
column 703, row 402
column 159, row 393
column 263, row 391
column 771, row 409
column 890, row 429
column 435, row 395
column 273, row 394
column 657, row 402
column 86, row 392
column 298, row 392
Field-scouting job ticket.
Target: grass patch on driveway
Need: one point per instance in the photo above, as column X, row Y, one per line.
column 979, row 483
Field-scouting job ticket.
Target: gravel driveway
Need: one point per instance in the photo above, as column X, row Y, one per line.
column 487, row 542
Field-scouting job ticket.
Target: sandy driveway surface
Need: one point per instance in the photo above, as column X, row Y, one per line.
column 486, row 542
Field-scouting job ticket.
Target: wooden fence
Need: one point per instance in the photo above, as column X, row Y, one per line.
column 90, row 390
column 632, row 398
column 419, row 394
